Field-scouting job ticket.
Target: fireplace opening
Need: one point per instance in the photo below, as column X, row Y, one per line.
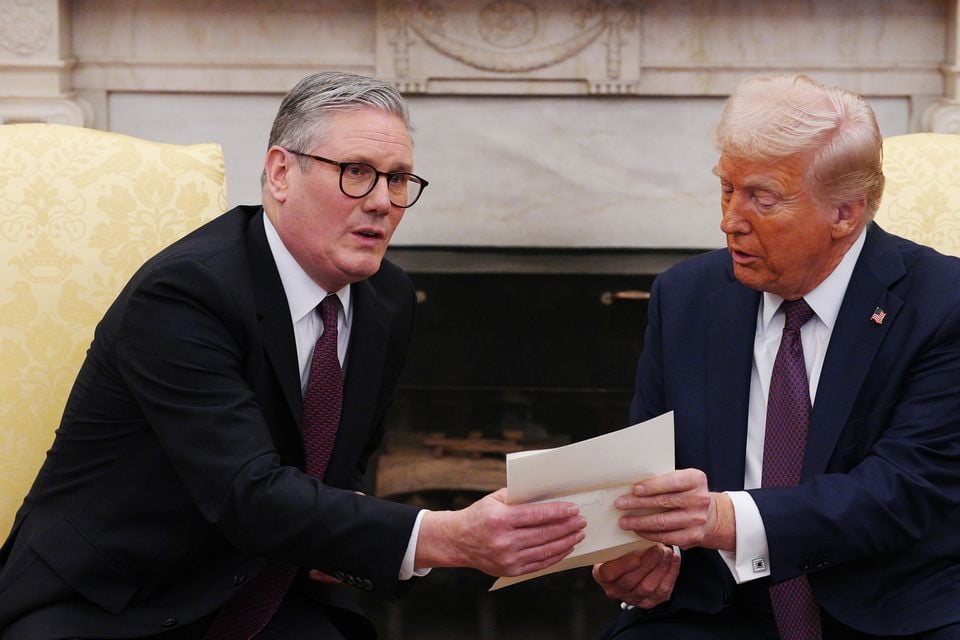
column 512, row 350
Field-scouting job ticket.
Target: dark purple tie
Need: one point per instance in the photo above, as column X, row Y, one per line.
column 788, row 417
column 324, row 395
column 249, row 611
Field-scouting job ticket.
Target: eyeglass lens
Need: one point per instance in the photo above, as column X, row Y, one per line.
column 357, row 180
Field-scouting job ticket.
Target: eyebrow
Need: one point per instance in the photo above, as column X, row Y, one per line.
column 362, row 159
column 755, row 183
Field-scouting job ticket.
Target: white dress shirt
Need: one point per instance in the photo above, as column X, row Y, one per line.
column 751, row 558
column 303, row 296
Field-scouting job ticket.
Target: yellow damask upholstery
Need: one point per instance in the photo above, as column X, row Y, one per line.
column 80, row 210
column 921, row 200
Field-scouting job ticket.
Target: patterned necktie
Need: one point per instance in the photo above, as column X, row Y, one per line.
column 249, row 611
column 788, row 417
column 324, row 395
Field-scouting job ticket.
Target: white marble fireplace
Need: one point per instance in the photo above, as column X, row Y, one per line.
column 567, row 147
column 566, row 123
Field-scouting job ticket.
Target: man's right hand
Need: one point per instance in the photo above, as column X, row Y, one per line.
column 497, row 538
column 640, row 579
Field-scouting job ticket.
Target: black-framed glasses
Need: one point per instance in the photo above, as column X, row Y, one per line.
column 357, row 179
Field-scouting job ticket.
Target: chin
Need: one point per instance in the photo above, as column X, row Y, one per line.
column 749, row 279
column 363, row 269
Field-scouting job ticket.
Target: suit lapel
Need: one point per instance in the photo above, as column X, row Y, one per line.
column 273, row 311
column 730, row 336
column 364, row 360
column 853, row 345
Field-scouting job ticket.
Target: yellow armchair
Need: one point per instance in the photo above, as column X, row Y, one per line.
column 921, row 199
column 80, row 211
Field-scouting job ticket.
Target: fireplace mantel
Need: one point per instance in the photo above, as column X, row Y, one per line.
column 568, row 123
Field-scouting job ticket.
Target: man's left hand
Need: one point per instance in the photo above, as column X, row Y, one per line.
column 640, row 579
column 684, row 512
column 324, row 578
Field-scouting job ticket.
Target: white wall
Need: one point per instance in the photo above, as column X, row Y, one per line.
column 541, row 123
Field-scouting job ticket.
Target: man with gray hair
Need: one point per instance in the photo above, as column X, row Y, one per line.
column 814, row 370
column 205, row 479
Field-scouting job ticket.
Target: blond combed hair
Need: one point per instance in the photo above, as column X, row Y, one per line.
column 770, row 118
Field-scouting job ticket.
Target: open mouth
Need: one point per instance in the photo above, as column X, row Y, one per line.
column 740, row 256
column 369, row 233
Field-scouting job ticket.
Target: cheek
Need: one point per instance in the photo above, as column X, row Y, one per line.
column 790, row 248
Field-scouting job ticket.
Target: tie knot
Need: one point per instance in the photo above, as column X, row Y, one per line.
column 797, row 313
column 328, row 311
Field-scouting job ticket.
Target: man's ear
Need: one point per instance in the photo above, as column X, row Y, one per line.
column 276, row 168
column 848, row 218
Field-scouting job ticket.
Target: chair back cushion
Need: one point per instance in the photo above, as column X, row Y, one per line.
column 80, row 211
column 921, row 199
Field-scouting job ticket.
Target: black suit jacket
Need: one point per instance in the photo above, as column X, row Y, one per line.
column 874, row 520
column 177, row 468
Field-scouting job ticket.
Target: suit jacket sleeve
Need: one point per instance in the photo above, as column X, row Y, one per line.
column 705, row 584
column 873, row 520
column 894, row 475
column 188, row 349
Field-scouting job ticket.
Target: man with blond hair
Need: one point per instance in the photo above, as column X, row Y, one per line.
column 814, row 370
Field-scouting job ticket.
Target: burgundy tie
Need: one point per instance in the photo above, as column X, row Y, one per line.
column 324, row 395
column 788, row 417
column 249, row 611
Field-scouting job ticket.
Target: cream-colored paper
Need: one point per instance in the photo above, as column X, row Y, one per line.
column 592, row 474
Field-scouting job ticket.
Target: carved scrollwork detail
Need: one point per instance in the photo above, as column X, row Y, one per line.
column 508, row 23
column 508, row 27
column 24, row 27
column 943, row 116
column 619, row 17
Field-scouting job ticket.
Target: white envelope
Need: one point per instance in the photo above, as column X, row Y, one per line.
column 592, row 474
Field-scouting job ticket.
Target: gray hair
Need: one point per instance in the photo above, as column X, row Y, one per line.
column 774, row 117
column 302, row 119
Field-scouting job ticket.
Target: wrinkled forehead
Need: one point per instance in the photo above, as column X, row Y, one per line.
column 367, row 135
column 777, row 173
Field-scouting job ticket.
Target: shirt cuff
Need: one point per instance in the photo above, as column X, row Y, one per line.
column 407, row 569
column 751, row 560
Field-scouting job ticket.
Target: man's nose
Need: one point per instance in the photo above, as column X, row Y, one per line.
column 733, row 220
column 378, row 200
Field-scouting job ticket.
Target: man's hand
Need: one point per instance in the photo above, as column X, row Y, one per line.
column 643, row 579
column 687, row 513
column 497, row 538
column 324, row 578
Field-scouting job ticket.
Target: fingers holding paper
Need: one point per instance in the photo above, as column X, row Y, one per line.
column 682, row 511
column 642, row 579
column 500, row 539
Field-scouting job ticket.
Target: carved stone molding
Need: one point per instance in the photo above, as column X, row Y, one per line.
column 943, row 116
column 72, row 111
column 25, row 27
column 497, row 41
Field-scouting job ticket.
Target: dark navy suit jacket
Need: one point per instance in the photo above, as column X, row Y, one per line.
column 176, row 470
column 874, row 522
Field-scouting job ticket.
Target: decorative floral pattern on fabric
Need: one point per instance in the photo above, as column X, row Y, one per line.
column 80, row 211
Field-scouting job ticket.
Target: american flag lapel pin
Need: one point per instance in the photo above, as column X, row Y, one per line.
column 878, row 316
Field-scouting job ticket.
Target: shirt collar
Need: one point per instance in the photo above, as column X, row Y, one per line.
column 303, row 294
column 826, row 298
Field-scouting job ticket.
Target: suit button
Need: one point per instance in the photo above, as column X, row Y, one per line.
column 806, row 565
column 239, row 578
column 169, row 622
column 367, row 585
